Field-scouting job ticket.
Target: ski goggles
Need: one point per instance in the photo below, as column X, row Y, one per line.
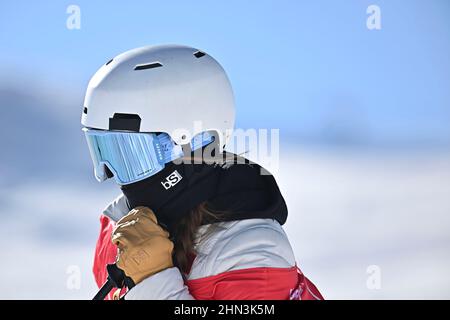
column 134, row 156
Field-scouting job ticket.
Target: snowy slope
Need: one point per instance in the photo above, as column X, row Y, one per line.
column 348, row 210
column 351, row 210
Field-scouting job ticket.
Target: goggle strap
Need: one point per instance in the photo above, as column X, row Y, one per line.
column 172, row 151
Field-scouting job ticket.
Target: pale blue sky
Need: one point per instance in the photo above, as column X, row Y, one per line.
column 311, row 68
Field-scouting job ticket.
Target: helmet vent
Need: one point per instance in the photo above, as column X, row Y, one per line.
column 109, row 61
column 85, row 110
column 148, row 66
column 199, row 54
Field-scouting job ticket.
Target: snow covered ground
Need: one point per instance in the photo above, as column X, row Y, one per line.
column 348, row 210
column 351, row 210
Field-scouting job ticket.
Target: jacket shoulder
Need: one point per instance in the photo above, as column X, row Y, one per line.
column 243, row 244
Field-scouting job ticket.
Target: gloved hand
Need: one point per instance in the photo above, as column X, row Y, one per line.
column 144, row 247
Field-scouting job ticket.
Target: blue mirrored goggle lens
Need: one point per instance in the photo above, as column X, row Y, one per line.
column 132, row 156
column 129, row 156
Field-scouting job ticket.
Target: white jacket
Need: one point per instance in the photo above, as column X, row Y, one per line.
column 233, row 259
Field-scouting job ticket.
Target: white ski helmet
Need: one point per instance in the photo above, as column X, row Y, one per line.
column 173, row 89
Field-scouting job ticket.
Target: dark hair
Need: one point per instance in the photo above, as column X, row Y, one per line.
column 186, row 230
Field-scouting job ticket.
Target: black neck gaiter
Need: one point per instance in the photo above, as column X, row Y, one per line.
column 174, row 191
column 238, row 189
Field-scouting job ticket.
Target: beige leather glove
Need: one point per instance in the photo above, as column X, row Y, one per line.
column 144, row 247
